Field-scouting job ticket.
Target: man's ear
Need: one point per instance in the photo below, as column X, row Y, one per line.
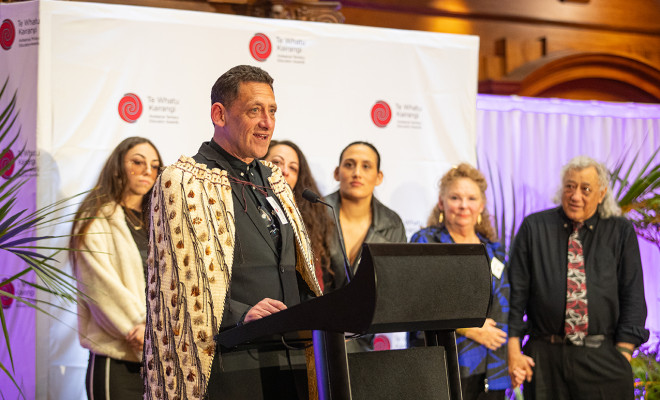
column 218, row 114
column 337, row 174
column 602, row 195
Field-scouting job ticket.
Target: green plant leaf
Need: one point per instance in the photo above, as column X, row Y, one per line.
column 23, row 241
column 17, row 230
column 29, row 253
column 11, row 376
column 641, row 186
column 17, row 235
column 5, row 224
column 639, row 196
column 6, row 333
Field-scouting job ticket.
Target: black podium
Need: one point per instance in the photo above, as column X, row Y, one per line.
column 435, row 288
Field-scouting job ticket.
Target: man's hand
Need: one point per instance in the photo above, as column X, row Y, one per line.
column 263, row 308
column 628, row 346
column 520, row 365
column 135, row 338
column 517, row 377
column 488, row 335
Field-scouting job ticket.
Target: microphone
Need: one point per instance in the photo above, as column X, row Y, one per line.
column 312, row 197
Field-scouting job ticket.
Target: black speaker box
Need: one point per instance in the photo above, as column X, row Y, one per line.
column 417, row 373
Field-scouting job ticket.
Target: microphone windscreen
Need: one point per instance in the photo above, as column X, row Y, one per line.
column 310, row 196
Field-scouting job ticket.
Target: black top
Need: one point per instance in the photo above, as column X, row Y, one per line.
column 386, row 227
column 136, row 226
column 256, row 189
column 615, row 287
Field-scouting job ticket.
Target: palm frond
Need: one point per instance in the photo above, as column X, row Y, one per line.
column 5, row 224
column 3, row 321
column 11, row 376
column 505, row 215
column 638, row 194
column 18, row 236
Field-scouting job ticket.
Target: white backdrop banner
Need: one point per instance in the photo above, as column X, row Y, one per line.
column 19, row 37
column 108, row 72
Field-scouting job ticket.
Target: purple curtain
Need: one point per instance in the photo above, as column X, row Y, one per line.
column 522, row 144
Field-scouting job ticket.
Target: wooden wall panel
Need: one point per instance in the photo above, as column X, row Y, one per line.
column 637, row 15
column 516, row 35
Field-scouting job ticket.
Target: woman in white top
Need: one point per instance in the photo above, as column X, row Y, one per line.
column 111, row 239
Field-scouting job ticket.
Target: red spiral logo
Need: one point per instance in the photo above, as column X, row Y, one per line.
column 260, row 47
column 130, row 107
column 7, row 34
column 381, row 342
column 7, row 158
column 381, row 114
column 6, row 300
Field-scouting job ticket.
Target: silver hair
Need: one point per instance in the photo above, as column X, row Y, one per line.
column 608, row 207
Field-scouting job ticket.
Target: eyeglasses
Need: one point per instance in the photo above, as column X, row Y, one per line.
column 138, row 167
column 570, row 188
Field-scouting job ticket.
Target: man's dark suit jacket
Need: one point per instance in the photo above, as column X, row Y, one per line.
column 258, row 271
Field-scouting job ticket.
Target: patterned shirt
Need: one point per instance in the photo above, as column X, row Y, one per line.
column 474, row 358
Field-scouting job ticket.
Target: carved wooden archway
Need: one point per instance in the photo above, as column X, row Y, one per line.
column 582, row 76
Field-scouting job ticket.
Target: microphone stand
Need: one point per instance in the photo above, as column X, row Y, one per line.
column 333, row 380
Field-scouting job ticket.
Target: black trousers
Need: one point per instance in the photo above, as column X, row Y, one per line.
column 259, row 375
column 111, row 379
column 566, row 372
column 472, row 388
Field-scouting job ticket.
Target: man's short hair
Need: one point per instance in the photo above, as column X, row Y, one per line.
column 609, row 207
column 225, row 89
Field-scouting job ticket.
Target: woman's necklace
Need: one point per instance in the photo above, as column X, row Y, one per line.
column 133, row 219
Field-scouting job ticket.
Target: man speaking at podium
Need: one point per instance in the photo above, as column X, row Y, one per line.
column 227, row 247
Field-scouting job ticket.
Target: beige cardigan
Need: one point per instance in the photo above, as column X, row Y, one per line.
column 191, row 250
column 109, row 270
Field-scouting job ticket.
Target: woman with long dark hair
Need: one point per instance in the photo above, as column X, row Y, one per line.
column 291, row 160
column 111, row 239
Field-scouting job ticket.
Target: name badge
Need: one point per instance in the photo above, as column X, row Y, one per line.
column 496, row 268
column 278, row 210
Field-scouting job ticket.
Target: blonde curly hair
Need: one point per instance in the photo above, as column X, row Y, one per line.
column 465, row 170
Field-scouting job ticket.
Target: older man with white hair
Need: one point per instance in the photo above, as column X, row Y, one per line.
column 576, row 272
